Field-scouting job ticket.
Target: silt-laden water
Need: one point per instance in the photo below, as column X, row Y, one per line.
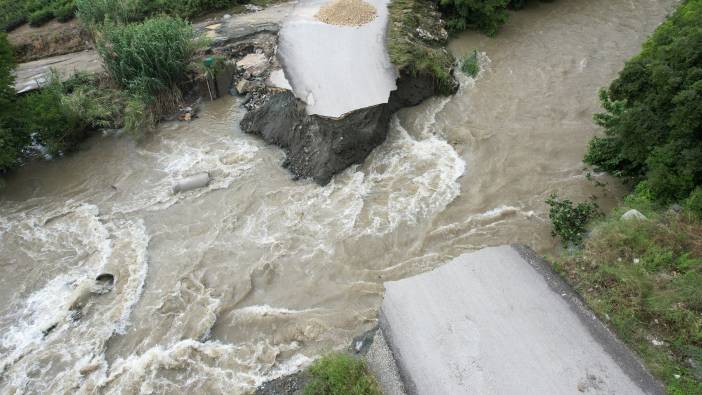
column 222, row 288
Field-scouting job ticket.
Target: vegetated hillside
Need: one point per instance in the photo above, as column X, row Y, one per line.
column 484, row 15
column 653, row 112
column 37, row 12
column 643, row 276
column 15, row 13
column 146, row 61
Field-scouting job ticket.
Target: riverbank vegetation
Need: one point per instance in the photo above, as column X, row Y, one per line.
column 484, row 15
column 417, row 42
column 55, row 119
column 643, row 278
column 341, row 374
column 643, row 275
column 470, row 65
column 146, row 63
column 14, row 14
column 124, row 11
column 653, row 112
column 149, row 60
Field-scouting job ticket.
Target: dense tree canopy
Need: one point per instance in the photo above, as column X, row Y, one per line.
column 11, row 141
column 484, row 15
column 653, row 111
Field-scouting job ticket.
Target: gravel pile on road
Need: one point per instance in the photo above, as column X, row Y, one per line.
column 346, row 13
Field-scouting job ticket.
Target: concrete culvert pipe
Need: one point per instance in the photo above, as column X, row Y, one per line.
column 105, row 280
column 103, row 283
column 193, row 182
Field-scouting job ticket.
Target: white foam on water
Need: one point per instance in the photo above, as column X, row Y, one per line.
column 266, row 310
column 486, row 218
column 204, row 367
column 413, row 179
column 224, row 158
column 46, row 335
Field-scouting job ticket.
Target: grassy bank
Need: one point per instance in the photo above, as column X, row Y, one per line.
column 643, row 276
column 417, row 42
column 147, row 62
column 340, row 374
column 644, row 279
column 14, row 14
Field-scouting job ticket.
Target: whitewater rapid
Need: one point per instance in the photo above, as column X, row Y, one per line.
column 254, row 276
column 112, row 223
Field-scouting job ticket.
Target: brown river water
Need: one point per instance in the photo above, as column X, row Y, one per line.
column 222, row 288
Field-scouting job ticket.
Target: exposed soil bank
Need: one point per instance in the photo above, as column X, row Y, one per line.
column 319, row 147
column 203, row 301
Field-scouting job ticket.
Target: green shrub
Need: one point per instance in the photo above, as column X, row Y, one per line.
column 412, row 54
column 54, row 125
column 149, row 60
column 98, row 105
column 12, row 139
column 95, row 12
column 41, row 17
column 340, row 374
column 470, row 64
column 569, row 220
column 484, row 15
column 37, row 12
column 151, row 56
column 61, row 114
column 653, row 111
column 7, row 79
column 65, row 13
column 641, row 199
column 693, row 204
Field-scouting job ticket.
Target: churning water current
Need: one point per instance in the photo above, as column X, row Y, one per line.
column 222, row 288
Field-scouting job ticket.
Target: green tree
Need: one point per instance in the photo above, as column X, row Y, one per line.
column 653, row 111
column 12, row 138
column 484, row 15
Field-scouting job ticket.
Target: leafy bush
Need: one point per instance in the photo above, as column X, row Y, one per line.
column 94, row 12
column 694, row 203
column 341, row 374
column 151, row 56
column 65, row 13
column 653, row 111
column 41, row 17
column 54, row 124
column 12, row 139
column 149, row 59
column 484, row 15
column 37, row 12
column 569, row 220
column 411, row 53
column 470, row 64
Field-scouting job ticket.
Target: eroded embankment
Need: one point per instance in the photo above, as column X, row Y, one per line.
column 319, row 146
column 254, row 275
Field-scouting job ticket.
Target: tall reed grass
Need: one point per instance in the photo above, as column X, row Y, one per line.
column 149, row 59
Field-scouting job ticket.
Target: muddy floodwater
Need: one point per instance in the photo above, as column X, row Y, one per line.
column 224, row 287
